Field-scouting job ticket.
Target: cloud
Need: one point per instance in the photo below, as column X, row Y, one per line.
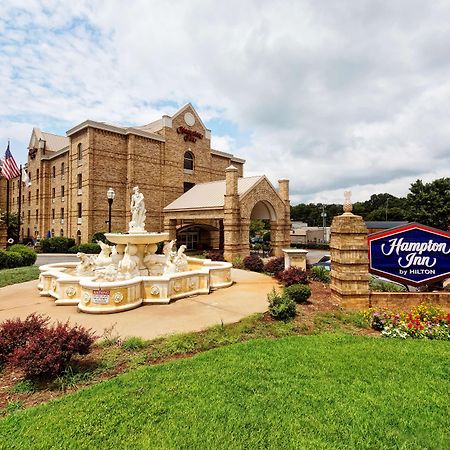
column 333, row 95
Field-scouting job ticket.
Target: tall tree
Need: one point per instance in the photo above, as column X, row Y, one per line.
column 429, row 203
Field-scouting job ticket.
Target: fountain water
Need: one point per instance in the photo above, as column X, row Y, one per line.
column 130, row 273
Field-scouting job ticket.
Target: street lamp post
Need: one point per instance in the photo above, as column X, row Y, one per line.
column 110, row 194
column 324, row 222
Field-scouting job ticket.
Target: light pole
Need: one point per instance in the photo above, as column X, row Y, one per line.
column 324, row 222
column 110, row 194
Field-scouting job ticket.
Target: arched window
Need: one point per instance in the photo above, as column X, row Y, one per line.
column 80, row 151
column 189, row 161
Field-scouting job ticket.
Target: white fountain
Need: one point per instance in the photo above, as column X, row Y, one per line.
column 130, row 273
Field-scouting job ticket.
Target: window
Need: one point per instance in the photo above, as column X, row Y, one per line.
column 37, row 174
column 29, row 197
column 61, row 232
column 62, row 170
column 188, row 161
column 79, row 152
column 79, row 210
column 78, row 237
column 53, row 213
column 37, row 195
column 62, row 213
column 29, row 214
column 37, row 214
column 62, row 191
column 188, row 186
column 23, row 199
column 54, row 171
column 53, row 232
column 79, row 180
column 53, row 193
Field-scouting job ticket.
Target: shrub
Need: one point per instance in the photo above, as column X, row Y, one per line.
column 215, row 255
column 48, row 352
column 298, row 292
column 238, row 262
column 254, row 263
column 27, row 253
column 385, row 286
column 15, row 333
column 312, row 246
column 281, row 307
column 58, row 244
column 274, row 265
column 292, row 275
column 89, row 248
column 14, row 259
column 98, row 236
column 320, row 273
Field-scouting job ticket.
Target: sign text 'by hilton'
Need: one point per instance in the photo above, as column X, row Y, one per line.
column 413, row 254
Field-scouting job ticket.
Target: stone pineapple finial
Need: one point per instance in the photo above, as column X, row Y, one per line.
column 348, row 207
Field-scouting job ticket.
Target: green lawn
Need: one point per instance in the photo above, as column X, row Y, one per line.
column 18, row 275
column 313, row 392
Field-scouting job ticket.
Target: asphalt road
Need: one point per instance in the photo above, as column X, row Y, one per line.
column 48, row 258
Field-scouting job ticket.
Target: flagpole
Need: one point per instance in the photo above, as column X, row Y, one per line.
column 7, row 210
column 20, row 204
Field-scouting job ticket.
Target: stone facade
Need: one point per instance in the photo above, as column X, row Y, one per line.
column 68, row 191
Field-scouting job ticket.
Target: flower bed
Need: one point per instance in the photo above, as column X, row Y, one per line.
column 424, row 321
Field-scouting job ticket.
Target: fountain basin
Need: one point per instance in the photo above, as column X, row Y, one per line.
column 60, row 282
column 136, row 238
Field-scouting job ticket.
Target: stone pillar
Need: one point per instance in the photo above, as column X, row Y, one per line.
column 3, row 235
column 277, row 240
column 283, row 190
column 232, row 216
column 349, row 261
column 245, row 235
column 170, row 226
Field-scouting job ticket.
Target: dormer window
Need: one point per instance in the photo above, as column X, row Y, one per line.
column 188, row 161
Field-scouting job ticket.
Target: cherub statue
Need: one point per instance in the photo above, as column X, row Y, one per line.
column 104, row 258
column 181, row 262
column 129, row 266
column 86, row 265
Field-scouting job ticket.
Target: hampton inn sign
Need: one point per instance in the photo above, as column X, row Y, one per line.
column 413, row 254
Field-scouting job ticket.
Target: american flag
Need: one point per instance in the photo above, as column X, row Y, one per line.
column 9, row 165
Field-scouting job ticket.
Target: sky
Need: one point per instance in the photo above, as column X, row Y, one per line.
column 335, row 96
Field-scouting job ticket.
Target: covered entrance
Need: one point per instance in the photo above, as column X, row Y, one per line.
column 218, row 214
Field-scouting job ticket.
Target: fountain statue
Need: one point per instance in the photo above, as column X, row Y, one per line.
column 137, row 224
column 127, row 272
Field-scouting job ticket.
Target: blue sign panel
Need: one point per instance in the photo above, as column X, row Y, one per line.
column 413, row 254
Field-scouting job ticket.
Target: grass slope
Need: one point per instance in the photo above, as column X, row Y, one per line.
column 325, row 391
column 18, row 275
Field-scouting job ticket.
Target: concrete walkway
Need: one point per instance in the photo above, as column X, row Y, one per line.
column 247, row 296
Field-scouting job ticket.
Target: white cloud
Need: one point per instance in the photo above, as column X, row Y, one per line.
column 334, row 95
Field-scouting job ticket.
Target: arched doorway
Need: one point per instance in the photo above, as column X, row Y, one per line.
column 262, row 216
column 197, row 236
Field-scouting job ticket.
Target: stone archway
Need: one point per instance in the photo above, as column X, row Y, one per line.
column 264, row 212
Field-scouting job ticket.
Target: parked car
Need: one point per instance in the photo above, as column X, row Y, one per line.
column 325, row 262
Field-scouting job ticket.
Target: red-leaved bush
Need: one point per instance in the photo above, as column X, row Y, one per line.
column 40, row 350
column 15, row 333
column 49, row 352
column 292, row 275
column 274, row 265
column 215, row 255
column 254, row 263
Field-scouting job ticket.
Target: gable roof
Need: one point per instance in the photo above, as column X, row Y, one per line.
column 53, row 142
column 210, row 195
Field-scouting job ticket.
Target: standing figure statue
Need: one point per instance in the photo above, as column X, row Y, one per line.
column 138, row 211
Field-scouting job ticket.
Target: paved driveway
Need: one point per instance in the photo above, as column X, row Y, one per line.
column 245, row 297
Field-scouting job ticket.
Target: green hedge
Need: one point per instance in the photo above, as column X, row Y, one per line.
column 9, row 260
column 57, row 244
column 86, row 248
column 27, row 253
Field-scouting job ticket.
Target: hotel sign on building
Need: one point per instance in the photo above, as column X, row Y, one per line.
column 413, row 254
